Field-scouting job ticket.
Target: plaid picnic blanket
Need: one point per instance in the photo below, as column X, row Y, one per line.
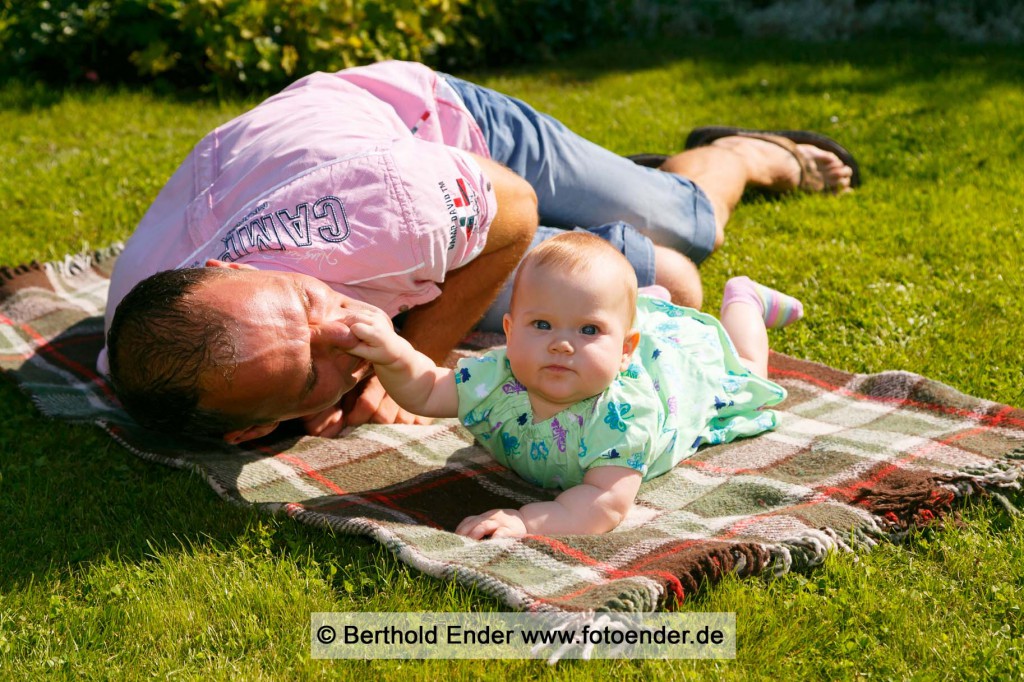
column 858, row 458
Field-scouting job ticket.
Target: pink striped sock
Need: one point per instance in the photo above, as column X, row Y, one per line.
column 777, row 308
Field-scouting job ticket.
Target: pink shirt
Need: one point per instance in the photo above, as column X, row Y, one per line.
column 358, row 178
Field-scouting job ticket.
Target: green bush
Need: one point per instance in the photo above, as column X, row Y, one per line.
column 258, row 43
column 268, row 42
column 265, row 44
column 68, row 40
column 531, row 30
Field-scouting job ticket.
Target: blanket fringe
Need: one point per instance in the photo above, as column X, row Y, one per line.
column 9, row 273
column 1005, row 473
column 70, row 266
column 895, row 517
column 1004, row 501
column 905, row 500
column 804, row 552
column 75, row 264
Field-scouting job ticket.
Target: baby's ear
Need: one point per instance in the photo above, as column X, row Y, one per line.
column 629, row 345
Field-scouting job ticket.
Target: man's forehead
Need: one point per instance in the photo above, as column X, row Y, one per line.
column 262, row 311
column 268, row 364
column 235, row 290
column 229, row 277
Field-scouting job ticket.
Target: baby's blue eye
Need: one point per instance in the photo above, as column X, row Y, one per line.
column 541, row 324
column 588, row 329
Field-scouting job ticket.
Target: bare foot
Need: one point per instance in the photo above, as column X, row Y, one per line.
column 836, row 174
column 776, row 169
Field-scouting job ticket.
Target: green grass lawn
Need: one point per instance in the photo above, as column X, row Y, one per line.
column 113, row 567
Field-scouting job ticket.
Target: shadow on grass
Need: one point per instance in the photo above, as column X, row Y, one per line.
column 880, row 64
column 884, row 63
column 71, row 497
column 24, row 95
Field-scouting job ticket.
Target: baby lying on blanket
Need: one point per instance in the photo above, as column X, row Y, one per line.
column 598, row 389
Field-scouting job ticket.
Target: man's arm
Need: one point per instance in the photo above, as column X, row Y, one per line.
column 437, row 327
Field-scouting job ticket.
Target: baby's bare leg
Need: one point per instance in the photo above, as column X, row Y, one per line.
column 748, row 309
column 743, row 322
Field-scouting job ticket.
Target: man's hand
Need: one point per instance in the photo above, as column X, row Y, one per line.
column 497, row 523
column 326, row 424
column 369, row 403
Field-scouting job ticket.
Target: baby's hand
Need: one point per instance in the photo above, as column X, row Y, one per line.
column 378, row 341
column 497, row 523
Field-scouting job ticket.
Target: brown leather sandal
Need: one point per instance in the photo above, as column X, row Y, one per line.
column 810, row 178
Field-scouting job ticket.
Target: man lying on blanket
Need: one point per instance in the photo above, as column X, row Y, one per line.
column 408, row 189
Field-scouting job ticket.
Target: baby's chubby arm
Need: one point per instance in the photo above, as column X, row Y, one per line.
column 409, row 376
column 597, row 505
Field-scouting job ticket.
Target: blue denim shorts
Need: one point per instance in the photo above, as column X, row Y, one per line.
column 581, row 184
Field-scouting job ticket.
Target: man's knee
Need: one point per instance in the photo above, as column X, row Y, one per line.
column 679, row 275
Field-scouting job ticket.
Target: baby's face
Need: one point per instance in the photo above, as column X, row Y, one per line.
column 568, row 336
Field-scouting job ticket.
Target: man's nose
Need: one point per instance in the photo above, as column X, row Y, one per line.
column 332, row 338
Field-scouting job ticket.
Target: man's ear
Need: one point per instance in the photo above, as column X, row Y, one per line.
column 629, row 344
column 214, row 263
column 249, row 433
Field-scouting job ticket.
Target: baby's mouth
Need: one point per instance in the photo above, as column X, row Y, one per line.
column 557, row 368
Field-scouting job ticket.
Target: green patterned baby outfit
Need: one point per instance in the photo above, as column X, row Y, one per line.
column 685, row 387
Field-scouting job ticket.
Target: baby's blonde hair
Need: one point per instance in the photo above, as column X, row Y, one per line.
column 579, row 253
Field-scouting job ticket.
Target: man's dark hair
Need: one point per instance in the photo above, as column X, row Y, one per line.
column 161, row 345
